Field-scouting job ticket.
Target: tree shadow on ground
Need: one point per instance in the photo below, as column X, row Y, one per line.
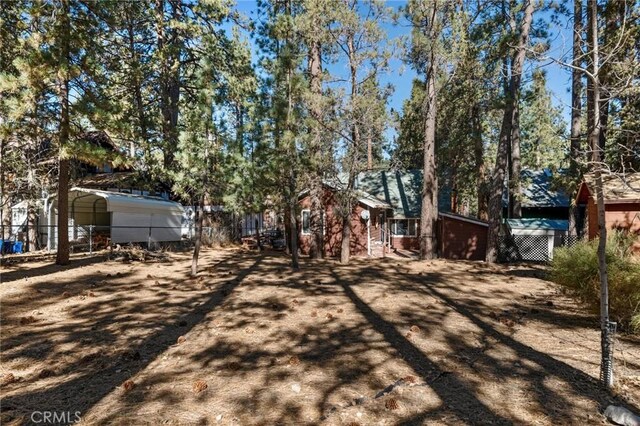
column 558, row 408
column 334, row 329
column 17, row 272
column 101, row 368
column 449, row 388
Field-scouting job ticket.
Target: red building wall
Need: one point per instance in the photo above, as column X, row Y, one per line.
column 405, row 242
column 618, row 216
column 333, row 228
column 461, row 239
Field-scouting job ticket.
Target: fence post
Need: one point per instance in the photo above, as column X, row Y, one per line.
column 90, row 239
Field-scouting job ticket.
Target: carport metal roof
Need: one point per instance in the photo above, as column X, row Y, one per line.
column 122, row 202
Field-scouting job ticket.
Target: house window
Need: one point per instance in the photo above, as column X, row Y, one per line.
column 306, row 221
column 404, row 227
column 413, row 227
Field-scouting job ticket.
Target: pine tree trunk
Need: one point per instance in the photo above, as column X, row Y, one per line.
column 369, row 151
column 454, row 178
column 345, row 247
column 62, row 255
column 257, row 228
column 198, row 243
column 590, row 107
column 316, row 191
column 429, row 212
column 293, row 157
column 576, row 110
column 169, row 80
column 293, row 233
column 604, row 76
column 5, row 212
column 516, row 166
column 498, row 178
column 163, row 85
column 32, row 227
column 481, row 185
column 137, row 94
column 345, row 244
column 293, row 160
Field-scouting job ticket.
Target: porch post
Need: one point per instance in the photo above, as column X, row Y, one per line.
column 369, row 234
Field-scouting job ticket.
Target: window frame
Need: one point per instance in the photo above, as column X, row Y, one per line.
column 393, row 228
column 302, row 213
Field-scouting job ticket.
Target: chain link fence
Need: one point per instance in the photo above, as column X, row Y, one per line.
column 532, row 248
column 91, row 238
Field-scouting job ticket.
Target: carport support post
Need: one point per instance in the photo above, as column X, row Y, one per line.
column 149, row 237
column 90, row 239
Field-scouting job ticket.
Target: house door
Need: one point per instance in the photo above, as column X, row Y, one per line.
column 382, row 220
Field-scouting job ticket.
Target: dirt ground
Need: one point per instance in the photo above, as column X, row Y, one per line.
column 382, row 341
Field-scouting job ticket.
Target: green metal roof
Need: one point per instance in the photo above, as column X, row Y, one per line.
column 547, row 224
column 402, row 190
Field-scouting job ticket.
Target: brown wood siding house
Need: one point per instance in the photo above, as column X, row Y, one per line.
column 332, row 224
column 621, row 200
column 393, row 201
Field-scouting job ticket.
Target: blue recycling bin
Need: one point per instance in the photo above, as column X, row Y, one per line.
column 17, row 247
column 7, row 247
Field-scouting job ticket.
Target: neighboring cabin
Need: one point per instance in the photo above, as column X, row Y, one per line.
column 392, row 202
column 386, row 218
column 541, row 198
column 621, row 201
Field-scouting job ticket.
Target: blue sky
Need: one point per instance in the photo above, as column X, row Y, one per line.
column 401, row 76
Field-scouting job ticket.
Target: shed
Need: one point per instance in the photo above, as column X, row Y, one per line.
column 535, row 239
column 461, row 237
column 18, row 216
column 124, row 217
column 621, row 203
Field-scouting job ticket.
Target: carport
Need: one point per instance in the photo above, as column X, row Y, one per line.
column 121, row 217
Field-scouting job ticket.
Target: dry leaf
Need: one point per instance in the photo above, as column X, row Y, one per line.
column 391, row 404
column 8, row 378
column 410, row 379
column 27, row 320
column 200, row 386
column 45, row 372
column 294, row 360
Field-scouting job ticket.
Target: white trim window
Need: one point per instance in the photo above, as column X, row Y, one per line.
column 305, row 222
column 404, row 227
